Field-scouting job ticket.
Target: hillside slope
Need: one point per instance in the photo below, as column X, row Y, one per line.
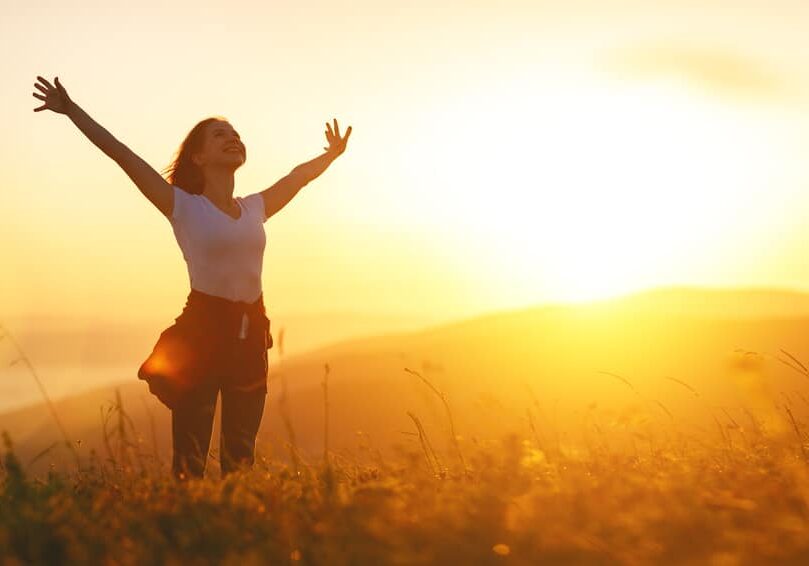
column 682, row 360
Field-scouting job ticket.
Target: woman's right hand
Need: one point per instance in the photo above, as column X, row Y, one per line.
column 55, row 98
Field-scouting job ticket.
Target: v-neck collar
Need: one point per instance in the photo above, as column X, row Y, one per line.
column 241, row 208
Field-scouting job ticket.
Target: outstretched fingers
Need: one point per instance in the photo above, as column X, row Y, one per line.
column 40, row 97
column 336, row 142
column 49, row 85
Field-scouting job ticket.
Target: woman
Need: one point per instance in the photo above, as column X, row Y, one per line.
column 219, row 342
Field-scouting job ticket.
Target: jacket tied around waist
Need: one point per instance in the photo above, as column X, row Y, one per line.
column 212, row 339
column 225, row 318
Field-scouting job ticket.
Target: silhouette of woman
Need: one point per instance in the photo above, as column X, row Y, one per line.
column 219, row 342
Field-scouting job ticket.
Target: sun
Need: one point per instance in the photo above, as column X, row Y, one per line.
column 583, row 191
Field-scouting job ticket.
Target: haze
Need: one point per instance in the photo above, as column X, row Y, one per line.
column 503, row 155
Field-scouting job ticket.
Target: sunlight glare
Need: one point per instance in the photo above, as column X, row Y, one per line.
column 585, row 191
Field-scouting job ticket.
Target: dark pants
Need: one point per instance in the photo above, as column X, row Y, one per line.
column 192, row 421
column 211, row 350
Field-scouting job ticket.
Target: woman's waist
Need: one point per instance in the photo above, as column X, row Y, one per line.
column 204, row 307
column 213, row 326
column 217, row 302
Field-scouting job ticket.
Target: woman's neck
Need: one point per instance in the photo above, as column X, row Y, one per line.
column 219, row 186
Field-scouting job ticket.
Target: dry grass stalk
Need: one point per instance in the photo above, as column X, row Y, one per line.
column 796, row 428
column 623, row 380
column 326, row 415
column 426, row 446
column 443, row 398
column 684, row 384
column 4, row 332
column 794, row 363
column 283, row 408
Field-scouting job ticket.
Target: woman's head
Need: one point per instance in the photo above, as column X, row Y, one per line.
column 212, row 143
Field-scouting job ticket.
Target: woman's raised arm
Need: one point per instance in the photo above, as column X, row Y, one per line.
column 277, row 196
column 153, row 186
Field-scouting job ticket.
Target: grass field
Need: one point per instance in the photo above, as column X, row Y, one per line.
column 537, row 437
column 629, row 492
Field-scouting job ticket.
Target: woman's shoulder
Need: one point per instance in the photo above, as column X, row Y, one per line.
column 184, row 203
column 184, row 193
column 255, row 203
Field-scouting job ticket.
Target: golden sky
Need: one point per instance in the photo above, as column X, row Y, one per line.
column 503, row 153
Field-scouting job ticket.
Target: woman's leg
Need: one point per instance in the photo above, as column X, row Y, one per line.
column 241, row 416
column 191, row 424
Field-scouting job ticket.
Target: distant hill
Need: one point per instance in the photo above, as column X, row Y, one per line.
column 79, row 354
column 690, row 356
column 719, row 303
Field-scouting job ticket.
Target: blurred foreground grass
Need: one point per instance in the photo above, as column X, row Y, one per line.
column 648, row 496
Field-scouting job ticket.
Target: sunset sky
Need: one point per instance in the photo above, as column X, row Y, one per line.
column 502, row 154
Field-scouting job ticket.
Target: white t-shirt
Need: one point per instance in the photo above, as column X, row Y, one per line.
column 224, row 255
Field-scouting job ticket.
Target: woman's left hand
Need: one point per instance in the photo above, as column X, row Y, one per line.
column 337, row 144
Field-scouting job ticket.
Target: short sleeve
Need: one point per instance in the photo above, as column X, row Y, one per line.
column 181, row 204
column 255, row 203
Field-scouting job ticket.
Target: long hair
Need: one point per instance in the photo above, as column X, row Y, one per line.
column 182, row 171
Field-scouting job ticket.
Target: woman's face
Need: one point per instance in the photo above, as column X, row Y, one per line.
column 221, row 147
